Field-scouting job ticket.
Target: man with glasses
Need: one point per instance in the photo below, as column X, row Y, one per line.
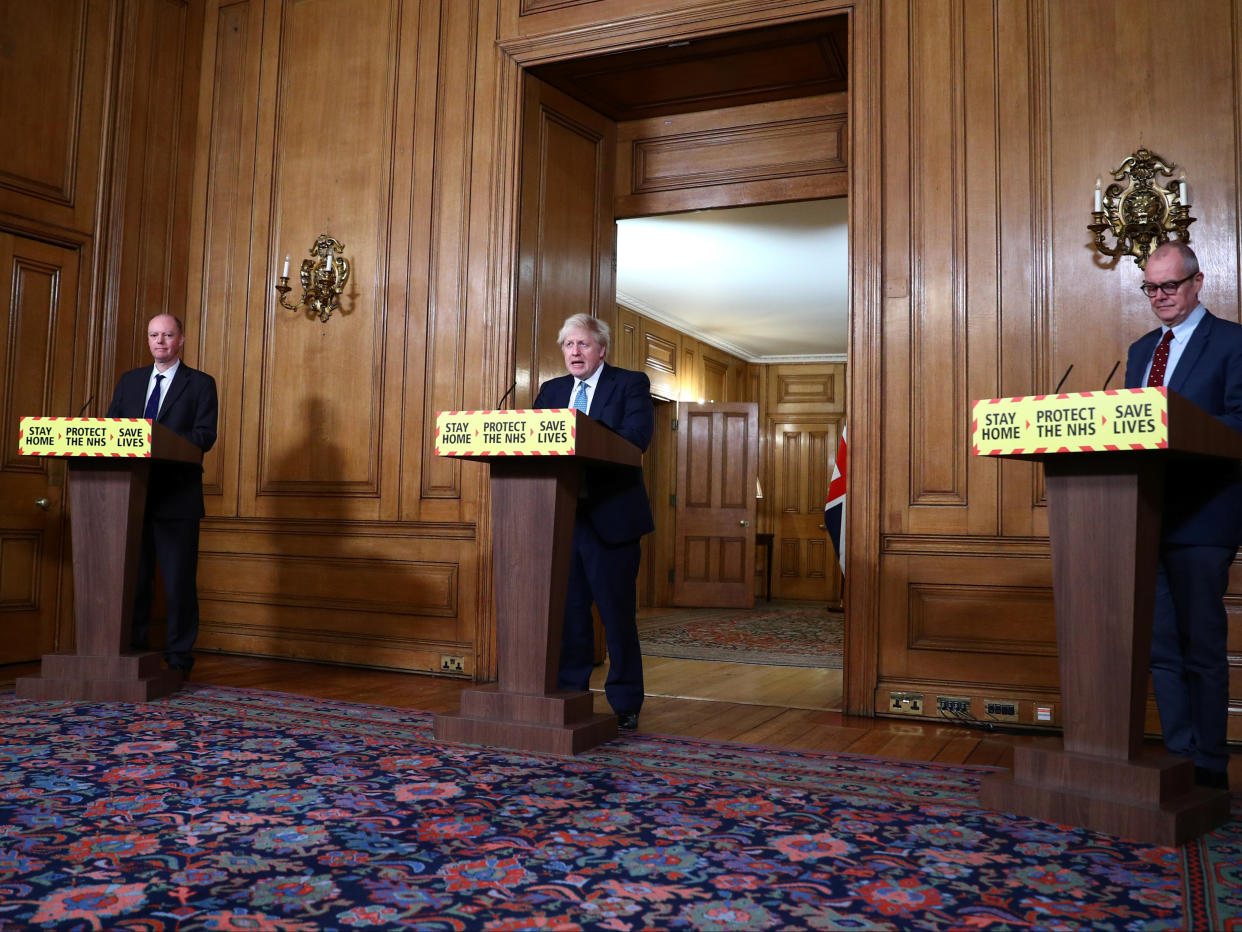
column 1198, row 356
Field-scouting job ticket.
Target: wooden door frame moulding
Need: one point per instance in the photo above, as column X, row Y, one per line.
column 862, row 579
column 648, row 28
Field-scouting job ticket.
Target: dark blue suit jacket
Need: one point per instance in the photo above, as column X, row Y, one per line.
column 616, row 499
column 174, row 490
column 1203, row 498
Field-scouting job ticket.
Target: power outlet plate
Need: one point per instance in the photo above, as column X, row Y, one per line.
column 953, row 705
column 1001, row 710
column 452, row 664
column 905, row 703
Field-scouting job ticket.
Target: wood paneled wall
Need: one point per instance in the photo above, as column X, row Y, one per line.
column 333, row 533
column 786, row 150
column 976, row 133
column 996, row 124
column 98, row 103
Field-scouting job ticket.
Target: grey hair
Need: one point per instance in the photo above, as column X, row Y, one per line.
column 592, row 325
column 1190, row 262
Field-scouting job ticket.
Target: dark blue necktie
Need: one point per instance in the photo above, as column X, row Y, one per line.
column 153, row 403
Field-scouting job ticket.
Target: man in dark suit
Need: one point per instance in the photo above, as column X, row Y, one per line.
column 184, row 401
column 613, row 514
column 1198, row 356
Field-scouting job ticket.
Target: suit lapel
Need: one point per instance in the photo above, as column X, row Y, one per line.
column 604, row 388
column 175, row 388
column 1190, row 355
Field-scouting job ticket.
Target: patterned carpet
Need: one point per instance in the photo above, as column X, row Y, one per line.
column 788, row 634
column 238, row 809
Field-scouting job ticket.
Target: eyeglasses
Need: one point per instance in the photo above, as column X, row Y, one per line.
column 1150, row 288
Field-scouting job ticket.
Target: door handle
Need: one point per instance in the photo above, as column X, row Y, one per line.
column 44, row 503
column 744, row 523
column 823, row 527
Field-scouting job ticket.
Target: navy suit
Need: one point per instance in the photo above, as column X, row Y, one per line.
column 613, row 514
column 174, row 505
column 1200, row 532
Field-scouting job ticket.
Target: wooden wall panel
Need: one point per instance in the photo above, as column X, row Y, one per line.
column 445, row 351
column 568, row 235
column 146, row 228
column 758, row 154
column 334, row 536
column 322, row 421
column 803, row 413
column 221, row 232
column 53, row 72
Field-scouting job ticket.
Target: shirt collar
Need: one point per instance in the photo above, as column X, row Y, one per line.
column 594, row 378
column 1182, row 332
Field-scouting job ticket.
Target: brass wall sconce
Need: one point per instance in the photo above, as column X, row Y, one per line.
column 323, row 279
column 1140, row 212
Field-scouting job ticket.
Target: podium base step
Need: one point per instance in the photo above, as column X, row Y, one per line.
column 563, row 740
column 1152, row 800
column 120, row 678
column 560, row 723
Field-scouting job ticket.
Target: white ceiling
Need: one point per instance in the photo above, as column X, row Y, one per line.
column 767, row 283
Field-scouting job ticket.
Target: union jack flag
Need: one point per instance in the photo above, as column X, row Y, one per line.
column 834, row 508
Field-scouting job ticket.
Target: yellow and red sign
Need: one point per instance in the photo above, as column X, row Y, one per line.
column 1072, row 422
column 545, row 432
column 84, row 436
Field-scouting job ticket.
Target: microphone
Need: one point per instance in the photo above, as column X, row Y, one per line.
column 87, row 405
column 1111, row 374
column 506, row 395
column 1063, row 378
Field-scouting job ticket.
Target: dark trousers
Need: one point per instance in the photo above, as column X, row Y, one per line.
column 1189, row 664
column 605, row 574
column 173, row 544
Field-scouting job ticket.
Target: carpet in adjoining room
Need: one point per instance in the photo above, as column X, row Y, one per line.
column 789, row 634
column 224, row 808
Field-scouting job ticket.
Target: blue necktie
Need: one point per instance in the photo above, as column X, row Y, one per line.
column 580, row 399
column 153, row 403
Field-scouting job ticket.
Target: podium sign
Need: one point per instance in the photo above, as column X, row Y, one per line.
column 551, row 432
column 1104, row 456
column 84, row 436
column 1072, row 422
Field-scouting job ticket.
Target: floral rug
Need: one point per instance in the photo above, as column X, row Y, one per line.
column 231, row 809
column 788, row 634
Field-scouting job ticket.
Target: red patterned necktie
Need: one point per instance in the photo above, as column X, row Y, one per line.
column 1160, row 361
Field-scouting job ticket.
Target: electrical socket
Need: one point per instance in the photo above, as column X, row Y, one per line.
column 905, row 703
column 952, row 705
column 452, row 664
column 1001, row 710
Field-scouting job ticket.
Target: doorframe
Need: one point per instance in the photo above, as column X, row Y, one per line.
column 864, row 371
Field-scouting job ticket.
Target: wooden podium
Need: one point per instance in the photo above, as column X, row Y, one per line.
column 534, row 489
column 107, row 496
column 1104, row 497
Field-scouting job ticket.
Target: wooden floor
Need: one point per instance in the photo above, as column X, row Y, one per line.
column 773, row 725
column 748, row 683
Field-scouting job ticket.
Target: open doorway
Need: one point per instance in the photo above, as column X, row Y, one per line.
column 692, row 125
column 766, row 287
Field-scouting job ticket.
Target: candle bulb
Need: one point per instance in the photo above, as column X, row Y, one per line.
column 1181, row 189
column 329, row 263
column 285, row 273
column 1098, row 197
